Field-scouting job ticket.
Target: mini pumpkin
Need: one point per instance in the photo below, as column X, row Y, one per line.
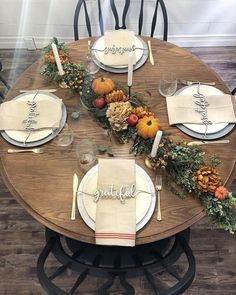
column 147, row 127
column 103, row 85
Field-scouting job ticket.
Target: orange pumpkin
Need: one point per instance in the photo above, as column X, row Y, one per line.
column 147, row 127
column 221, row 193
column 103, row 85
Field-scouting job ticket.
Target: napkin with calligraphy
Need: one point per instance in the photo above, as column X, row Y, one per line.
column 118, row 45
column 116, row 221
column 189, row 109
column 15, row 114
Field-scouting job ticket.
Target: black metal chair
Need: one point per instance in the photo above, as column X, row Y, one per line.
column 233, row 91
column 150, row 260
column 102, row 10
column 4, row 82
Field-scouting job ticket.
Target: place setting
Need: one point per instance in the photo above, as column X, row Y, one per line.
column 28, row 121
column 111, row 52
column 199, row 109
column 112, row 205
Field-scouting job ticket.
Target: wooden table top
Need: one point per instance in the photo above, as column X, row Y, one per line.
column 42, row 183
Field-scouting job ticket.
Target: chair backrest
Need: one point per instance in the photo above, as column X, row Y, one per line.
column 2, row 97
column 145, row 12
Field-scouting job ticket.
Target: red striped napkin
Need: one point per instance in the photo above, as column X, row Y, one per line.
column 115, row 221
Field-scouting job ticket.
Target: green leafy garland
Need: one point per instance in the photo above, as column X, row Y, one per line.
column 186, row 170
column 74, row 73
column 188, row 173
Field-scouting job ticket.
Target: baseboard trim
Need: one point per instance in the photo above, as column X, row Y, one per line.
column 203, row 40
column 180, row 40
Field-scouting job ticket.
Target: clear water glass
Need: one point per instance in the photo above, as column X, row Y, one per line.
column 65, row 137
column 91, row 67
column 86, row 153
column 168, row 84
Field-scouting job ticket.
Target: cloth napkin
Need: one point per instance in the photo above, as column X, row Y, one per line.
column 115, row 222
column 182, row 109
column 12, row 114
column 123, row 39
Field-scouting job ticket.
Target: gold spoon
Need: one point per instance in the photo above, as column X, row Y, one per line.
column 35, row 150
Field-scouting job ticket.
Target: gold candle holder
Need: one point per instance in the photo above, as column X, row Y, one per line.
column 63, row 85
column 150, row 162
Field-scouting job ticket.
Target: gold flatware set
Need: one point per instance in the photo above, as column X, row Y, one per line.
column 75, row 188
column 34, row 150
column 37, row 90
column 208, row 142
column 189, row 83
column 158, row 187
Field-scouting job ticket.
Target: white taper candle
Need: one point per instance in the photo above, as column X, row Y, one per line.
column 130, row 69
column 57, row 59
column 156, row 143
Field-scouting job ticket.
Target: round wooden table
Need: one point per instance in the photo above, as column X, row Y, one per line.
column 42, row 183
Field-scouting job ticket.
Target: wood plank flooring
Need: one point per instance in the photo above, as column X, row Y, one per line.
column 22, row 238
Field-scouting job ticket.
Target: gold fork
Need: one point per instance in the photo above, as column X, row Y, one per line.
column 35, row 150
column 158, row 186
column 188, row 83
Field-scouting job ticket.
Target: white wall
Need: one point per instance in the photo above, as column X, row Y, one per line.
column 191, row 22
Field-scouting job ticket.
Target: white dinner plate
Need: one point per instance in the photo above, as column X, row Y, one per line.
column 100, row 45
column 145, row 203
column 38, row 137
column 205, row 90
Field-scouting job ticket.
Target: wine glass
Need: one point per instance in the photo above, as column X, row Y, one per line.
column 168, row 84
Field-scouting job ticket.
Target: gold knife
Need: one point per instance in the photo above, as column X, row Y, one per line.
column 75, row 188
column 35, row 90
column 150, row 53
column 207, row 142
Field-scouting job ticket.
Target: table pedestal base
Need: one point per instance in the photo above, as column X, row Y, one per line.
column 149, row 260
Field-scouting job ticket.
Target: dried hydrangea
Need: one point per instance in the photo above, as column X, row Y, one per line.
column 117, row 114
column 207, row 179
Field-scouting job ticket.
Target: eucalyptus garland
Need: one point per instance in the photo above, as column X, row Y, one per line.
column 129, row 118
column 188, row 173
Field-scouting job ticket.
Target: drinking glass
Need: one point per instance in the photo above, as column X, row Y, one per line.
column 91, row 66
column 65, row 137
column 86, row 154
column 168, row 84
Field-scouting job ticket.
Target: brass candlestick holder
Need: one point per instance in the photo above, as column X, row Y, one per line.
column 63, row 85
column 150, row 162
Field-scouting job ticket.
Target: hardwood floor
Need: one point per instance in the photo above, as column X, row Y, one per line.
column 22, row 238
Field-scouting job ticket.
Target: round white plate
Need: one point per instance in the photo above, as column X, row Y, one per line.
column 100, row 45
column 145, row 203
column 205, row 90
column 39, row 137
